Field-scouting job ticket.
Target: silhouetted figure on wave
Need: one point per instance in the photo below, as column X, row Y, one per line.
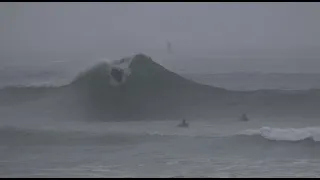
column 117, row 74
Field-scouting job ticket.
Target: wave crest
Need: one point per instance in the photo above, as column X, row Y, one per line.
column 113, row 72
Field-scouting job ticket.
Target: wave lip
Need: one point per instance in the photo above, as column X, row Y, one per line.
column 114, row 72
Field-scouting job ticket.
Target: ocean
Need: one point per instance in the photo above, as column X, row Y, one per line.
column 36, row 144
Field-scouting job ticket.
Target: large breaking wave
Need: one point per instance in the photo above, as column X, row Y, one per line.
column 136, row 88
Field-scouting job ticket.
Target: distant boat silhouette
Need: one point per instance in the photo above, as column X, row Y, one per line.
column 183, row 124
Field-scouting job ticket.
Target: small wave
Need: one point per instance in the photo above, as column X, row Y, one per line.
column 285, row 134
column 267, row 133
column 18, row 135
column 186, row 134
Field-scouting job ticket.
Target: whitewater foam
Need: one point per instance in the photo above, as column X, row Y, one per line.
column 121, row 66
column 285, row 134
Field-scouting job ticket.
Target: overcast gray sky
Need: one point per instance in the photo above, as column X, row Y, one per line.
column 196, row 27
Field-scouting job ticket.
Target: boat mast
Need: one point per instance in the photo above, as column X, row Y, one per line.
column 169, row 48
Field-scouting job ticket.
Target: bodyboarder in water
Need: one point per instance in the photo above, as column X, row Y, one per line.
column 183, row 124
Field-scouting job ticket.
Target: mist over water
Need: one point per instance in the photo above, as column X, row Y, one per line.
column 99, row 90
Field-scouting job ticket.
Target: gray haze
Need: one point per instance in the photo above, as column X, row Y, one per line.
column 206, row 37
column 122, row 118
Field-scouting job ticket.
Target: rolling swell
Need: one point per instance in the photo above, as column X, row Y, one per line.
column 309, row 134
column 143, row 89
column 261, row 138
column 11, row 135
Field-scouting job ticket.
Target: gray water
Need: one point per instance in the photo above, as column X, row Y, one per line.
column 256, row 81
column 159, row 149
column 261, row 147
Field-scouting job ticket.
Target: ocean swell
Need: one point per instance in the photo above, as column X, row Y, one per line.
column 137, row 88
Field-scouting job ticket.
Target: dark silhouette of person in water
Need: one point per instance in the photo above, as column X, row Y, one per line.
column 183, row 124
column 117, row 74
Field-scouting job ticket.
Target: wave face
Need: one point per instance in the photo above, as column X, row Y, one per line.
column 136, row 88
column 148, row 91
column 113, row 73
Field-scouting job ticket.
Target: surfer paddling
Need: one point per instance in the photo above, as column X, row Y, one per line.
column 183, row 124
